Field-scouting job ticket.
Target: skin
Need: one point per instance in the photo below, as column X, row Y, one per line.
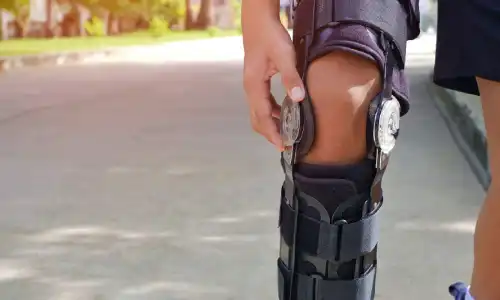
column 485, row 275
column 269, row 50
column 341, row 110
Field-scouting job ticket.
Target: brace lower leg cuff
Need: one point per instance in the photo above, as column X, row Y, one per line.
column 336, row 234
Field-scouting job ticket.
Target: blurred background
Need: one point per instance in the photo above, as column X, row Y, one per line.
column 128, row 168
column 133, row 21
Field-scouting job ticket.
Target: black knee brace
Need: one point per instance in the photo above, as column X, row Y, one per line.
column 328, row 215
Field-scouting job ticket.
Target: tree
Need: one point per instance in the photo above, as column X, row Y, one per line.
column 140, row 11
column 14, row 6
column 20, row 10
column 96, row 5
column 205, row 16
column 189, row 19
column 109, row 11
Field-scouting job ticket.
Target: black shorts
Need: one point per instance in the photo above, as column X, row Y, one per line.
column 468, row 42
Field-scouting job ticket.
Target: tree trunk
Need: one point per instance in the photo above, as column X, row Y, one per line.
column 189, row 21
column 205, row 17
column 48, row 24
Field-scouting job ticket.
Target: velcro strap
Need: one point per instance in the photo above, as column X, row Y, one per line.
column 333, row 242
column 316, row 288
column 388, row 16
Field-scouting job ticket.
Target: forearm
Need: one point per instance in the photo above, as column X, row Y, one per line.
column 254, row 12
column 259, row 8
column 258, row 16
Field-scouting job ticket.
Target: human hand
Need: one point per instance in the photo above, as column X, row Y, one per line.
column 268, row 50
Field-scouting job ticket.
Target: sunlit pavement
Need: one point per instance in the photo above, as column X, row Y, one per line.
column 139, row 178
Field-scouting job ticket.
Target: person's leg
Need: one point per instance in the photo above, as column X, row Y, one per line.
column 335, row 170
column 486, row 275
column 341, row 109
column 474, row 69
column 332, row 192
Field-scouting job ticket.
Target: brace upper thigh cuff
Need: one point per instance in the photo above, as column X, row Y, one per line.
column 390, row 17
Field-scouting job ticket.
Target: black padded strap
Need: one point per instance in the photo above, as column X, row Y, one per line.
column 333, row 242
column 316, row 288
column 388, row 16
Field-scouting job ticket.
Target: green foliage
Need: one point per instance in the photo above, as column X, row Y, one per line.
column 172, row 11
column 95, row 27
column 90, row 4
column 8, row 5
column 14, row 6
column 113, row 6
column 19, row 9
column 158, row 27
column 236, row 5
column 213, row 31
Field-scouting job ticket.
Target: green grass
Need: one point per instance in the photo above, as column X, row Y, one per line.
column 36, row 46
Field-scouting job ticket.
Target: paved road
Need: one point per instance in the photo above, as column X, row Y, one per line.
column 139, row 178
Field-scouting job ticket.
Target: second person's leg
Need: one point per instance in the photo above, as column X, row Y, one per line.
column 485, row 276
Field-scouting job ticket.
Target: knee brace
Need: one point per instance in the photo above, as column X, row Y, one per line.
column 328, row 216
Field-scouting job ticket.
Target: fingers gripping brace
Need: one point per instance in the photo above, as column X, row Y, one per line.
column 330, row 253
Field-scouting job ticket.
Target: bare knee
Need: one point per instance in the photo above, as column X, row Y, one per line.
column 341, row 86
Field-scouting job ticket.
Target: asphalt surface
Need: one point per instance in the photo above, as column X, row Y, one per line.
column 139, row 178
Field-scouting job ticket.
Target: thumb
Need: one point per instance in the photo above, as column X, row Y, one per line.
column 290, row 78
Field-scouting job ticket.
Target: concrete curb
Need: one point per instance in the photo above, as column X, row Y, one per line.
column 469, row 137
column 51, row 59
